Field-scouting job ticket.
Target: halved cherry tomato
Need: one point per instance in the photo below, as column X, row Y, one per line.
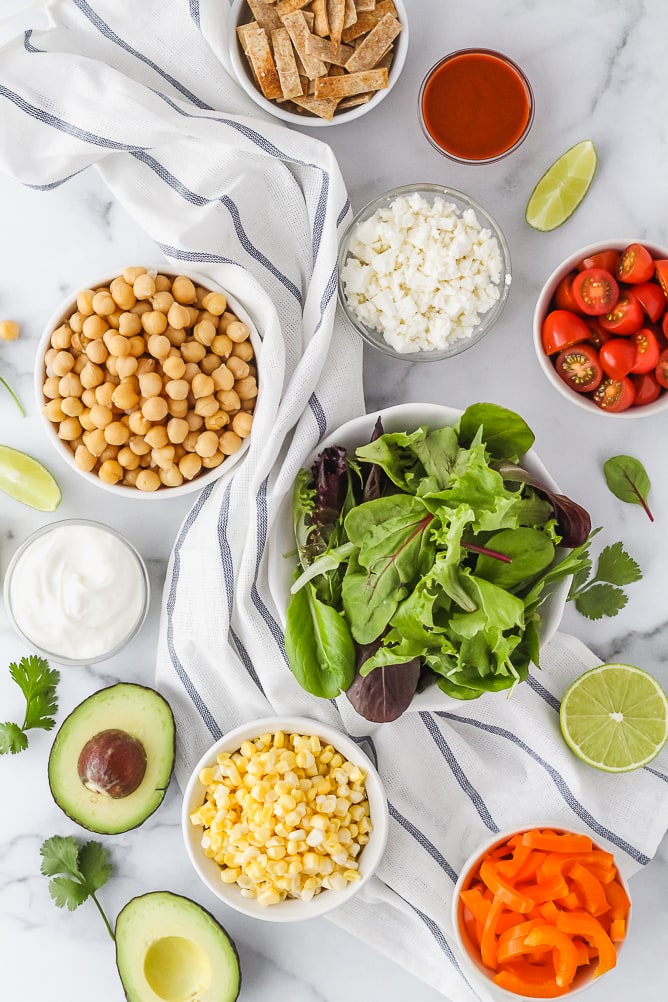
column 647, row 350
column 579, row 367
column 595, row 291
column 635, row 264
column 614, row 394
column 563, row 297
column 604, row 259
column 617, row 357
column 661, row 269
column 625, row 317
column 664, row 325
column 561, row 329
column 661, row 370
column 651, row 298
column 597, row 334
column 647, row 389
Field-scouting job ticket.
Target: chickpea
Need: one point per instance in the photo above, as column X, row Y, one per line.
column 237, row 331
column 177, row 389
column 85, row 302
column 155, row 408
column 217, row 421
column 229, row 400
column 139, row 445
column 50, row 388
column 79, row 364
column 177, row 430
column 93, row 327
column 193, row 351
column 49, row 356
column 224, row 322
column 246, row 388
column 62, row 337
column 222, row 345
column 163, row 457
column 137, row 346
column 128, row 459
column 206, row 406
column 84, row 459
column 72, row 406
column 137, row 423
column 158, row 344
column 163, row 283
column 211, row 462
column 103, row 303
column 230, row 442
column 192, row 369
column 110, row 471
column 118, row 345
column 141, row 307
column 76, row 322
column 129, row 324
column 150, row 384
column 122, row 293
column 70, row 385
column 104, row 392
column 114, row 319
column 223, row 378
column 204, row 332
column 144, row 286
column 242, row 424
column 174, row 367
column 157, row 436
column 125, row 397
column 130, row 477
column 147, row 480
column 62, row 363
column 85, row 420
column 206, row 444
column 176, row 337
column 145, row 364
column 130, row 275
column 117, row 433
column 237, row 367
column 190, row 441
column 208, row 364
column 95, row 441
column 162, row 300
column 126, row 366
column 178, row 316
column 97, row 352
column 183, row 290
column 215, row 302
column 53, row 410
column 244, row 350
column 171, row 476
column 177, row 408
column 194, row 421
column 88, row 398
column 190, row 465
column 154, row 322
column 101, row 416
column 202, row 386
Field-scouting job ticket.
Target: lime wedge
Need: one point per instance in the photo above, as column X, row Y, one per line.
column 26, row 480
column 615, row 717
column 562, row 187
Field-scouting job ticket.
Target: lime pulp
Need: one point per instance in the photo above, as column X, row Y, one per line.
column 562, row 187
column 25, row 479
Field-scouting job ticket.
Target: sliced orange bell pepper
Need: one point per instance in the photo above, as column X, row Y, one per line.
column 509, row 868
column 589, row 928
column 591, row 889
column 545, row 989
column 570, row 901
column 556, row 842
column 488, row 938
column 501, row 889
column 582, row 951
column 508, row 919
column 618, row 898
column 548, row 889
column 565, row 955
column 617, row 930
column 520, row 932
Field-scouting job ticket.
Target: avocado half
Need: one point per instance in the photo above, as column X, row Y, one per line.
column 170, row 949
column 113, row 757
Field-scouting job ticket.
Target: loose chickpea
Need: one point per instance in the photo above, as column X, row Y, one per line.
column 49, row 356
column 50, row 387
column 209, row 363
column 176, row 337
column 137, row 423
column 190, row 441
column 192, row 351
column 154, row 322
column 139, row 445
column 110, row 471
column 141, row 307
column 62, row 363
column 70, row 385
column 158, row 344
column 223, row 378
column 144, row 286
column 85, row 420
column 114, row 319
column 237, row 366
column 95, row 441
column 129, row 324
column 88, row 398
column 174, row 367
column 246, row 388
column 202, row 385
column 242, row 424
column 126, row 366
column 171, row 476
column 190, row 465
column 101, row 416
column 177, row 408
column 244, row 350
column 62, row 337
column 72, row 406
column 207, row 444
column 177, row 389
column 79, row 364
column 237, row 331
column 194, row 421
column 162, row 300
column 230, row 442
column 85, row 302
column 130, row 477
column 204, row 332
column 145, row 364
column 76, row 322
column 128, row 459
column 177, row 429
column 183, row 290
column 125, row 397
column 178, row 316
column 206, row 406
column 69, row 429
column 150, row 384
column 163, row 283
column 157, row 436
column 163, row 457
column 122, row 293
column 211, row 462
column 155, row 408
column 53, row 410
column 130, row 275
column 147, row 480
column 79, row 342
column 117, row 433
column 137, row 346
column 118, row 345
column 222, row 345
column 217, row 421
column 104, row 393
column 215, row 302
column 84, row 459
column 229, row 400
column 224, row 322
column 97, row 352
column 93, row 327
column 103, row 303
column 192, row 369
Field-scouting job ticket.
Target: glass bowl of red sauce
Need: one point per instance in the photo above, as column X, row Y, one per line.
column 476, row 106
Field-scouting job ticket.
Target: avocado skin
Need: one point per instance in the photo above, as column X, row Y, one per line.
column 155, row 793
column 168, row 901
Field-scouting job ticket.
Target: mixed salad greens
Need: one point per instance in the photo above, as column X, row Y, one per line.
column 424, row 558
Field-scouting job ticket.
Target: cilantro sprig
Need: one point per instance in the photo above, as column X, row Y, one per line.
column 77, row 871
column 13, row 395
column 603, row 594
column 38, row 684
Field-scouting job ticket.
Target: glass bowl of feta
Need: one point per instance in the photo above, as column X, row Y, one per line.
column 424, row 272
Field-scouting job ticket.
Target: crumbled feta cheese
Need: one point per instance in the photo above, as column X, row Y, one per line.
column 421, row 273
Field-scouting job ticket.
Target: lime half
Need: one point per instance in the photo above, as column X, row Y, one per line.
column 615, row 717
column 26, row 480
column 562, row 187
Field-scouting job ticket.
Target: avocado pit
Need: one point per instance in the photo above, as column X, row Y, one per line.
column 112, row 762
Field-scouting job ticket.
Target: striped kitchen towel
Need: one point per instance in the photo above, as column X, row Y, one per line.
column 258, row 208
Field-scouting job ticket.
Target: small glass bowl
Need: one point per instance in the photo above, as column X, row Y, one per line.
column 462, row 202
column 521, row 79
column 18, row 622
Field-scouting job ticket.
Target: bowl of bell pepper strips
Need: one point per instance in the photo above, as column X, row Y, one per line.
column 541, row 912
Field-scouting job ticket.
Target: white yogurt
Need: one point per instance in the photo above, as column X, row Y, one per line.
column 77, row 591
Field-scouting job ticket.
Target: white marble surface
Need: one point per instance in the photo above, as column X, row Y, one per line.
column 599, row 71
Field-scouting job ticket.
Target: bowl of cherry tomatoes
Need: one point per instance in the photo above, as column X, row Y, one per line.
column 601, row 328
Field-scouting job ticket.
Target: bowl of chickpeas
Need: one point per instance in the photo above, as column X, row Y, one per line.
column 285, row 818
column 147, row 381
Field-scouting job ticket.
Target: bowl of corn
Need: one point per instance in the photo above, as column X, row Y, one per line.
column 284, row 818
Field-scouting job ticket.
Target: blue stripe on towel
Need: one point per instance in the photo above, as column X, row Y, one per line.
column 246, row 660
column 457, row 771
column 319, row 415
column 544, row 693
column 320, row 214
column 111, row 35
column 226, row 561
column 422, row 840
column 558, row 781
column 194, row 11
column 343, row 213
column 27, row 44
column 261, row 538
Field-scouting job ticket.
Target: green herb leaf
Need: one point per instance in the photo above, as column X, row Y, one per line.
column 628, row 480
column 59, row 855
column 318, row 645
column 67, row 892
column 38, row 684
column 94, row 865
column 13, row 396
column 600, row 600
column 12, row 739
column 76, row 870
column 616, row 567
column 505, row 434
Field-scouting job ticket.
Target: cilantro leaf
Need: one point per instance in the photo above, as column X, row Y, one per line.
column 12, row 739
column 67, row 892
column 76, row 870
column 38, row 684
column 60, row 855
column 616, row 566
column 600, row 600
column 94, row 865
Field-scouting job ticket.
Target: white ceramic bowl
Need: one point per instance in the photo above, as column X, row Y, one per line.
column 291, row 909
column 59, row 315
column 240, row 14
column 582, row 400
column 401, row 417
column 482, row 975
column 462, row 203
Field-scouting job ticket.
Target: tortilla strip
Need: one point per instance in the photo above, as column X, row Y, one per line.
column 367, row 54
column 386, row 58
column 299, row 32
column 320, row 22
column 324, row 49
column 286, row 64
column 323, row 108
column 350, row 13
column 284, row 7
column 364, row 5
column 336, row 12
column 265, row 14
column 351, row 83
column 364, row 23
column 262, row 61
column 354, row 100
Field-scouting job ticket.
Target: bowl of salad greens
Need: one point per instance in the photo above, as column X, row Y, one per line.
column 425, row 556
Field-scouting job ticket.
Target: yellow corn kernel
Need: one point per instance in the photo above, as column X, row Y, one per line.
column 230, row 875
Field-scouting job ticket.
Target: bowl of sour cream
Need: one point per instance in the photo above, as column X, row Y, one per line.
column 76, row 591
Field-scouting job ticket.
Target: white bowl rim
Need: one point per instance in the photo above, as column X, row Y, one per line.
column 62, row 449
column 290, row 910
column 540, row 311
column 312, row 121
